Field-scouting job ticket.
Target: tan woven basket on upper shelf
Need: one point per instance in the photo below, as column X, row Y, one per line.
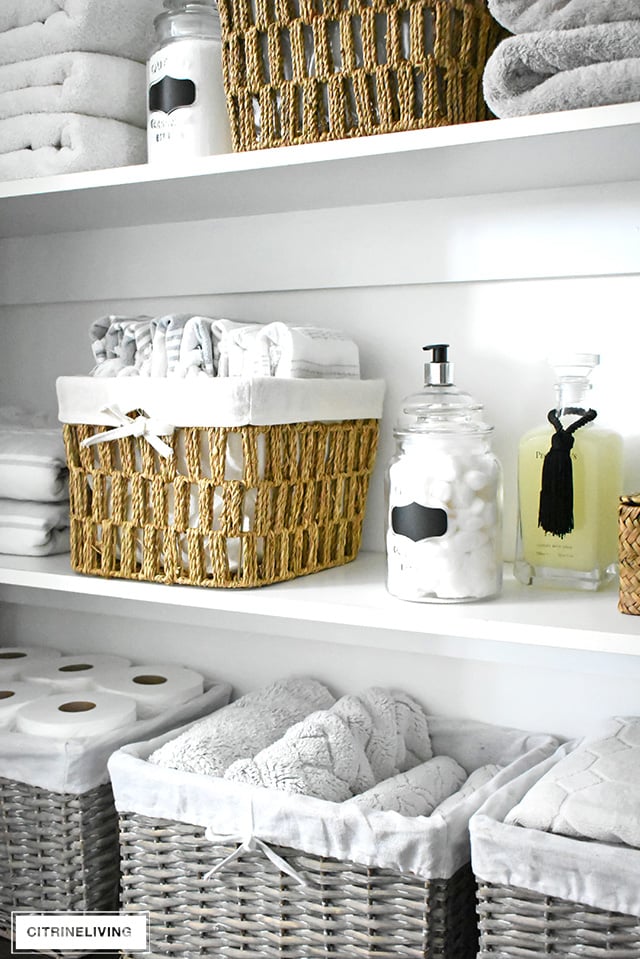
column 132, row 510
column 629, row 550
column 301, row 71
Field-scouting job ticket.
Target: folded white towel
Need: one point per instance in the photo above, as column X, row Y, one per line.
column 320, row 756
column 416, row 792
column 309, row 352
column 345, row 750
column 593, row 793
column 479, row 777
column 564, row 69
column 45, row 144
column 196, row 348
column 33, row 529
column 221, row 331
column 33, row 464
column 244, row 728
column 525, row 16
column 36, row 28
column 391, row 726
column 238, row 351
column 94, row 84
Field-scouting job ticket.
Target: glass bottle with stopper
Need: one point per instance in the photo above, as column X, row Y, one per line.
column 569, row 483
column 444, row 495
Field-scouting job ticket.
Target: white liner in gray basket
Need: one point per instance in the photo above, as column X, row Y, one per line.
column 432, row 848
column 597, row 874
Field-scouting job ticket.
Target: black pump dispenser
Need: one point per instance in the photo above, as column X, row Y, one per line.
column 438, row 372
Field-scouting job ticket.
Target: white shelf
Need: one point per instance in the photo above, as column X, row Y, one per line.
column 354, row 601
column 576, row 148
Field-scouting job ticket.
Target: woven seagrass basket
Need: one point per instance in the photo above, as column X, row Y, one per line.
column 629, row 553
column 252, row 909
column 515, row 923
column 59, row 850
column 297, row 507
column 302, row 71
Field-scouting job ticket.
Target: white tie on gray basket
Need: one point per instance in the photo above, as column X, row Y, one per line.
column 251, row 843
column 140, row 425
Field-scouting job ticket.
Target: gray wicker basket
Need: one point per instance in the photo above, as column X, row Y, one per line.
column 59, row 850
column 516, row 923
column 252, row 909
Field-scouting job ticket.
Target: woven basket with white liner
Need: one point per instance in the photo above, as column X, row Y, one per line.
column 58, row 824
column 221, row 482
column 629, row 554
column 543, row 893
column 376, row 883
column 302, row 71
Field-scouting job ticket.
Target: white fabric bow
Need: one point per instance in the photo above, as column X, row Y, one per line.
column 140, row 425
column 251, row 844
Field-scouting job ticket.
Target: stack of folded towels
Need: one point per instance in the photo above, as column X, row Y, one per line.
column 372, row 749
column 186, row 345
column 73, row 84
column 34, row 490
column 565, row 54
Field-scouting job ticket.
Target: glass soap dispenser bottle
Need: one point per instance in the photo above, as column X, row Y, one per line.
column 569, row 483
column 187, row 110
column 444, row 495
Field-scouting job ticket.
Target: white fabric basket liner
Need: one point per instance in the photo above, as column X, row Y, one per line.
column 228, row 401
column 77, row 765
column 431, row 848
column 601, row 875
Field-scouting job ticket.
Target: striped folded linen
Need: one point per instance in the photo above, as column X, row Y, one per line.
column 33, row 464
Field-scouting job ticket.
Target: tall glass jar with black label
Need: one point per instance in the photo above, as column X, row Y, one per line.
column 187, row 112
column 444, row 496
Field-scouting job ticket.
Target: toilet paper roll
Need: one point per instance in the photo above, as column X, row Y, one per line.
column 70, row 716
column 14, row 659
column 72, row 672
column 153, row 686
column 16, row 694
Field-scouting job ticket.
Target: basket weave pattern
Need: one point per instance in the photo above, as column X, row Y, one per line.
column 297, row 508
column 516, row 923
column 250, row 908
column 59, row 850
column 302, row 71
column 629, row 554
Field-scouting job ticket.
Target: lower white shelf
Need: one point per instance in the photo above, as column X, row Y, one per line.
column 348, row 604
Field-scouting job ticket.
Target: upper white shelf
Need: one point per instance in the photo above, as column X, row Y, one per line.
column 575, row 148
column 352, row 600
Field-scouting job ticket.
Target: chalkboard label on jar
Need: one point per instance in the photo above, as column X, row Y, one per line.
column 418, row 522
column 170, row 94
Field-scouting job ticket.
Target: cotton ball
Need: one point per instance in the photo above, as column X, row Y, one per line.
column 439, row 491
column 476, row 479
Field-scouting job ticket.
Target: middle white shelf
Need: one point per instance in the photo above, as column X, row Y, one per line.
column 348, row 605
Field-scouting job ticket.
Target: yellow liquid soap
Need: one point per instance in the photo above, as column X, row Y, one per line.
column 586, row 557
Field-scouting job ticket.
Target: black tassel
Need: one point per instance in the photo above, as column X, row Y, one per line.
column 555, row 513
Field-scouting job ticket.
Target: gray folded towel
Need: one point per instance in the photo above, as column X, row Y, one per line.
column 479, row 777
column 341, row 752
column 45, row 144
column 320, row 756
column 416, row 792
column 525, row 16
column 564, row 70
column 243, row 728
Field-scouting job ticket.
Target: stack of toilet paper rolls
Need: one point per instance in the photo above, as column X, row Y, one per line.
column 43, row 693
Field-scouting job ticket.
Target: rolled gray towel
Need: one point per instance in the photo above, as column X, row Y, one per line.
column 564, row 70
column 392, row 728
column 243, row 728
column 526, row 16
column 319, row 756
column 416, row 792
column 476, row 779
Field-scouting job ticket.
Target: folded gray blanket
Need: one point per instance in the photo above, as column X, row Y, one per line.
column 564, row 70
column 244, row 728
column 524, row 16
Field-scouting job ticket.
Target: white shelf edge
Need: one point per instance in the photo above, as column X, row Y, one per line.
column 445, row 161
column 354, row 598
